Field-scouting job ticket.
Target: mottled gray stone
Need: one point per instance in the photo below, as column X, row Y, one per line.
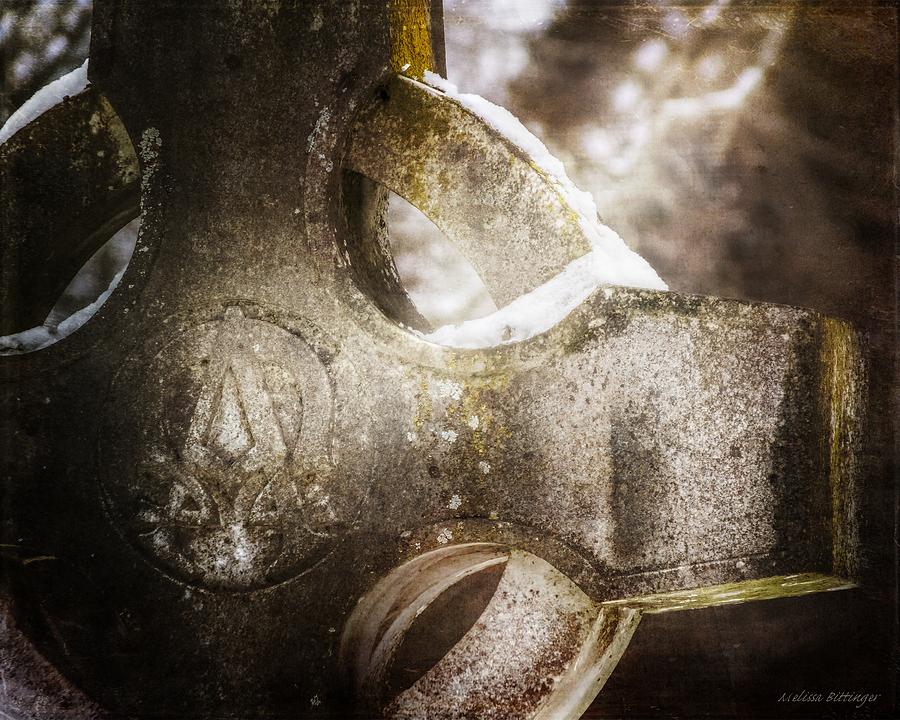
column 245, row 438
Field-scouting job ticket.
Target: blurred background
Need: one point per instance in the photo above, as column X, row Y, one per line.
column 746, row 150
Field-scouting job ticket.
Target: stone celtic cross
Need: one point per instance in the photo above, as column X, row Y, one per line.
column 248, row 487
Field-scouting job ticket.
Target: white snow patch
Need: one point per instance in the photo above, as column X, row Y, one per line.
column 444, row 536
column 610, row 260
column 449, row 435
column 455, row 502
column 43, row 335
column 473, row 422
column 532, row 313
column 485, row 467
column 51, row 94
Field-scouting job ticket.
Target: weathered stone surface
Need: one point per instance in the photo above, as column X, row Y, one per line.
column 244, row 439
column 505, row 215
column 68, row 182
column 576, row 446
column 562, row 649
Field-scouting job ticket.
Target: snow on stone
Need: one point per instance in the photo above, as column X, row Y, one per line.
column 532, row 313
column 631, row 269
column 610, row 262
column 44, row 99
column 43, row 335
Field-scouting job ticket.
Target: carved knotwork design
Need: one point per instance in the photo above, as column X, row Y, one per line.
column 230, row 484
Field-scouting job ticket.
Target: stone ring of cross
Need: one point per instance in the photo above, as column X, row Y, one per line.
column 257, row 484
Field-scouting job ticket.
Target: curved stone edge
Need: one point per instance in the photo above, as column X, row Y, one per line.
column 70, row 179
column 506, row 215
column 541, row 648
column 609, row 639
column 386, row 612
column 32, row 688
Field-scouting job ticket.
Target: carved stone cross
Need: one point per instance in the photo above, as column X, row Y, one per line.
column 248, row 487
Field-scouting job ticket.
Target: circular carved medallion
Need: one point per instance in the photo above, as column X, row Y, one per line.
column 218, row 463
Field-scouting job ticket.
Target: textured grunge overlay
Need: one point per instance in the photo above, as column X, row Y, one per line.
column 242, row 473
